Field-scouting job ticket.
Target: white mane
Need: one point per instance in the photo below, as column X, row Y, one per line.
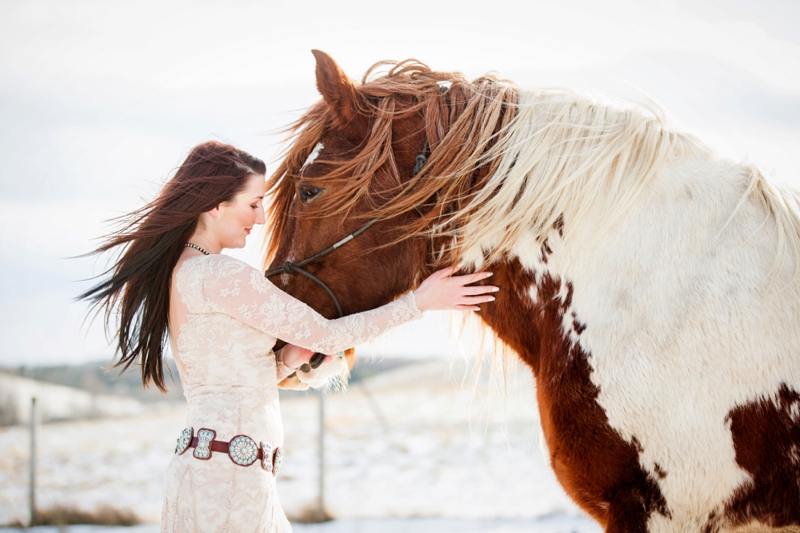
column 564, row 155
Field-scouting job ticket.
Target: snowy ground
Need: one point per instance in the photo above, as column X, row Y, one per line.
column 549, row 524
column 410, row 449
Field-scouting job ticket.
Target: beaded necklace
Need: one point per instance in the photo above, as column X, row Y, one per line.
column 190, row 245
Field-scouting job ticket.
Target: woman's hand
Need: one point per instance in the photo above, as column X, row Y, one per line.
column 295, row 356
column 442, row 291
column 300, row 380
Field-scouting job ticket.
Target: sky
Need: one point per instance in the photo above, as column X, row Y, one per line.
column 101, row 101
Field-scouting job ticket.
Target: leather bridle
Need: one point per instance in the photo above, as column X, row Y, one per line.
column 289, row 267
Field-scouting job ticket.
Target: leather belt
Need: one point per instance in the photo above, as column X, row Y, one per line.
column 241, row 449
column 221, row 446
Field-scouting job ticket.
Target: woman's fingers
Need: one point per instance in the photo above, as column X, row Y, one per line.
column 464, row 279
column 294, row 356
column 467, row 279
column 443, row 290
column 472, row 290
column 475, row 300
column 477, row 276
column 445, row 272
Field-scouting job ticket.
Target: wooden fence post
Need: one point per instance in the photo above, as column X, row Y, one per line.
column 321, row 478
column 32, row 473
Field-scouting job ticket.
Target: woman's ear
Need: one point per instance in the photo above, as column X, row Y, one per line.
column 214, row 212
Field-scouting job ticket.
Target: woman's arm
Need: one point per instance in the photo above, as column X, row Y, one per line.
column 233, row 287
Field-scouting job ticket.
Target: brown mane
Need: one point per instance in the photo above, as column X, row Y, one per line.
column 461, row 124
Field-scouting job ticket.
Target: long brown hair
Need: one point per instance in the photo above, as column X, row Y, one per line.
column 152, row 239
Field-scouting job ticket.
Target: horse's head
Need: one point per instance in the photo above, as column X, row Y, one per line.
column 331, row 182
column 353, row 160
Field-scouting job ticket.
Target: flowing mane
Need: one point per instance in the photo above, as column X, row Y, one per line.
column 504, row 164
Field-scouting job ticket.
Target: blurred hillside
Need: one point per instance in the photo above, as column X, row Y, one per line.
column 79, row 392
column 97, row 377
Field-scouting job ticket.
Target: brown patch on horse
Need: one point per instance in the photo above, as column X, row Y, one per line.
column 766, row 437
column 598, row 469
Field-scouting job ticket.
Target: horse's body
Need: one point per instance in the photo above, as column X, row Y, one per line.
column 652, row 288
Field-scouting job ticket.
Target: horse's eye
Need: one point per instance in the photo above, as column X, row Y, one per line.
column 307, row 193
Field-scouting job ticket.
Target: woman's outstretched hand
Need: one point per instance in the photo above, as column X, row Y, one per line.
column 442, row 291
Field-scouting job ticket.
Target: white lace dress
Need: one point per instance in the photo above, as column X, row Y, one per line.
column 228, row 372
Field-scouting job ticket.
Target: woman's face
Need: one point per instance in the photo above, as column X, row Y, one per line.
column 237, row 217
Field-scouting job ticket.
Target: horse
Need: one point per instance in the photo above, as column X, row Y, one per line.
column 652, row 287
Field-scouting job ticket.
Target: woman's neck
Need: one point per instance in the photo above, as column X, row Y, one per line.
column 205, row 241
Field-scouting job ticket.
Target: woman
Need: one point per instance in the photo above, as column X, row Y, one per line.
column 222, row 319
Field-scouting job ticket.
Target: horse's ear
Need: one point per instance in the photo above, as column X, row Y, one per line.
column 343, row 100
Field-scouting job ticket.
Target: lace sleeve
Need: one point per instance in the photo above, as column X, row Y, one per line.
column 235, row 288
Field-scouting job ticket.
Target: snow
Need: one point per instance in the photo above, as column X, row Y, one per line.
column 423, row 447
column 548, row 524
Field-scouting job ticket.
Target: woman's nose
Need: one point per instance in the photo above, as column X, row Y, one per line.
column 260, row 216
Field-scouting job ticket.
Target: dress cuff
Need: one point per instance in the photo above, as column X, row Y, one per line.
column 412, row 305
